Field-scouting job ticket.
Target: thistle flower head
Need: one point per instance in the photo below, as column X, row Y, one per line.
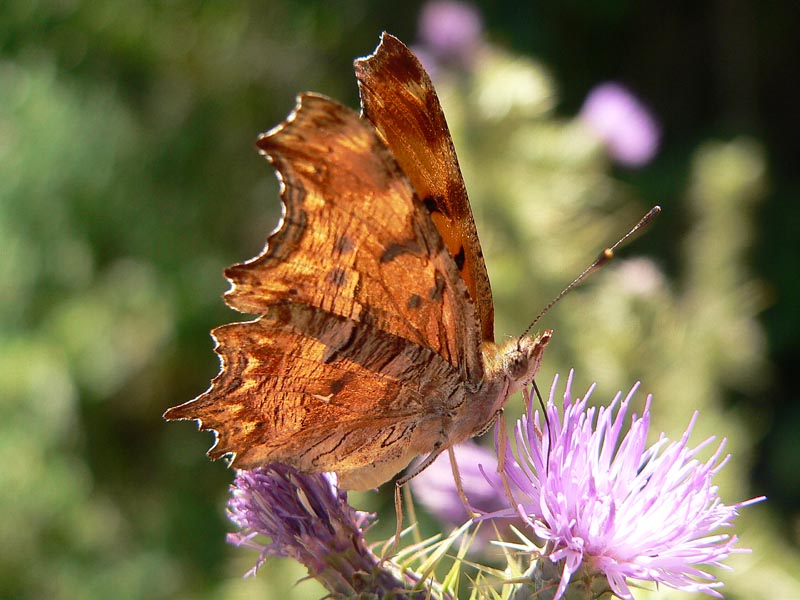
column 308, row 518
column 604, row 502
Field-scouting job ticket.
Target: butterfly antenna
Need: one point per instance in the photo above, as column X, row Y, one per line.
column 604, row 258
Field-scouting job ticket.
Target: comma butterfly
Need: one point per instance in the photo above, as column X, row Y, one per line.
column 374, row 341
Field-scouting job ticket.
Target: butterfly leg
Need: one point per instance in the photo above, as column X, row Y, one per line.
column 501, row 459
column 459, row 486
column 398, row 515
column 398, row 501
column 501, row 450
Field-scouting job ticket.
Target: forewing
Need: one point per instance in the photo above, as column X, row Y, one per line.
column 398, row 98
column 354, row 239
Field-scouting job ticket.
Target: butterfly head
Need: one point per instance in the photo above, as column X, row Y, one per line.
column 522, row 358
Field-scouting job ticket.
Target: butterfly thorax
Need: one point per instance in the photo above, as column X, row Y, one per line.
column 508, row 367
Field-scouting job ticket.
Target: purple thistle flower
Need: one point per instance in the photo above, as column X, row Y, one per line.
column 308, row 518
column 450, row 32
column 623, row 123
column 607, row 504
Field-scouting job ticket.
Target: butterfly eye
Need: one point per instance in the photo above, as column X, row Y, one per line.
column 515, row 363
column 522, row 357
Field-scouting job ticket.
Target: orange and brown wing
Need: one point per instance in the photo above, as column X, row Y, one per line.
column 398, row 98
column 354, row 240
column 322, row 392
column 366, row 332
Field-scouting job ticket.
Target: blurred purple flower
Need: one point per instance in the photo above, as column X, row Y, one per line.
column 308, row 518
column 450, row 33
column 436, row 491
column 605, row 503
column 627, row 128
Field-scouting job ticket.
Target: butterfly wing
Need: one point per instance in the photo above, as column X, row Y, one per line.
column 353, row 240
column 355, row 266
column 321, row 392
column 398, row 98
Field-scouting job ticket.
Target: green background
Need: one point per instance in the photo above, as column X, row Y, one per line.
column 129, row 179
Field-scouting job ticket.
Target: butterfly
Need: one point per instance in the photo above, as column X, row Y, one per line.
column 374, row 337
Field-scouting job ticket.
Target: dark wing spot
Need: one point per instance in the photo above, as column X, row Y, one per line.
column 337, row 277
column 293, row 292
column 435, row 204
column 397, row 248
column 430, row 204
column 459, row 258
column 414, row 301
column 281, row 313
column 437, row 291
column 337, row 385
column 343, row 245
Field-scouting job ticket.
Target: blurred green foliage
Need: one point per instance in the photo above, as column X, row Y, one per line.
column 128, row 180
